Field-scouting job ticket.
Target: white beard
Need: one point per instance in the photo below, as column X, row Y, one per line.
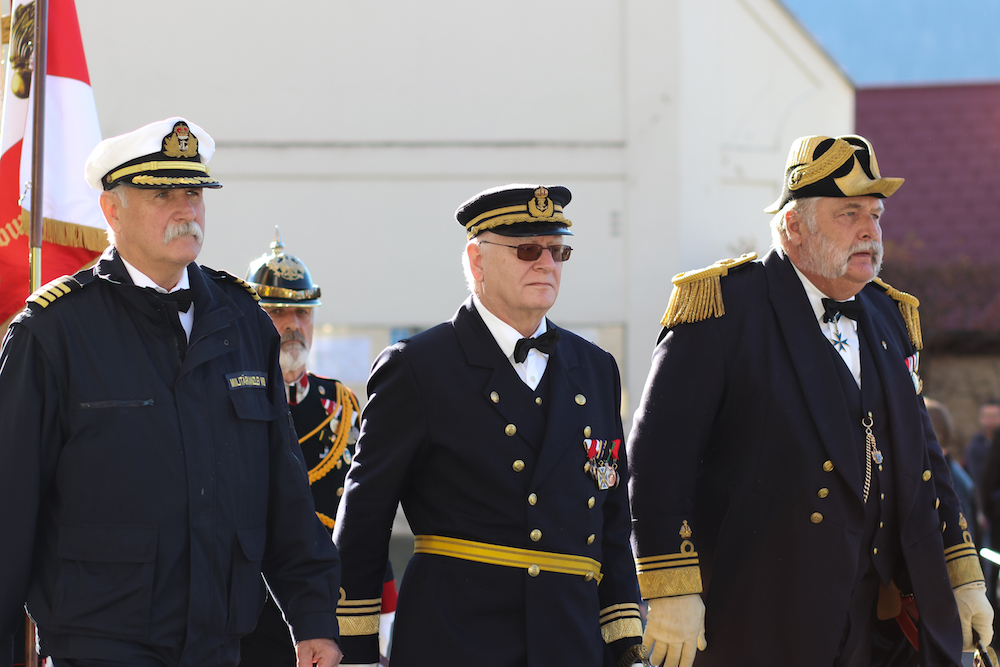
column 293, row 357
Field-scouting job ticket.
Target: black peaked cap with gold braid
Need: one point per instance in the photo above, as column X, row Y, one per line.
column 170, row 153
column 844, row 166
column 517, row 210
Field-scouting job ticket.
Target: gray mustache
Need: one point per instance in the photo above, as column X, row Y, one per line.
column 177, row 231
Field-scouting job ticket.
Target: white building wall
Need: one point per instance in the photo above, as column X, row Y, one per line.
column 359, row 127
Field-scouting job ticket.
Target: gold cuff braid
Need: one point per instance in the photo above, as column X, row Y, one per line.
column 963, row 564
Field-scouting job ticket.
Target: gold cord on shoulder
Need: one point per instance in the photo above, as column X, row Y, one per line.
column 348, row 406
column 697, row 295
column 908, row 305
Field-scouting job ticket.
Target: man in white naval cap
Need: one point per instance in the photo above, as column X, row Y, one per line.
column 146, row 445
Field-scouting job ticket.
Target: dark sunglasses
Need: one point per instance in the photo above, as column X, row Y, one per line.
column 529, row 252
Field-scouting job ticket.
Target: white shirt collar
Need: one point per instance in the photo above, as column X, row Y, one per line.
column 142, row 280
column 505, row 335
column 816, row 299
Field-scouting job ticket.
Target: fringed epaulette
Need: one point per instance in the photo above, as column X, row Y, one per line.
column 908, row 305
column 48, row 293
column 225, row 275
column 697, row 294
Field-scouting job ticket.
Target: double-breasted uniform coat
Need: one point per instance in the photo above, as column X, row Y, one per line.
column 748, row 477
column 473, row 454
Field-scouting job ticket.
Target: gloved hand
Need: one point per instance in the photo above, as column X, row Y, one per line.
column 674, row 626
column 975, row 612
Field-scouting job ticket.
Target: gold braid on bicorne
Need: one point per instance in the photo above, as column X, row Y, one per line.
column 348, row 407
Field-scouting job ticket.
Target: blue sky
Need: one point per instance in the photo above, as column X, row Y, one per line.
column 907, row 41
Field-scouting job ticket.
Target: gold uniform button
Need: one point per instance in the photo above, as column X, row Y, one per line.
column 340, row 492
column 538, row 400
column 590, row 503
column 881, row 496
column 495, row 397
column 816, row 517
column 927, row 475
column 823, row 493
column 590, row 540
column 510, row 429
column 874, row 551
column 880, row 524
column 944, row 526
column 586, row 431
column 580, row 399
column 533, row 570
column 589, row 576
column 937, row 503
column 518, row 465
column 535, row 535
column 828, row 466
column 532, row 499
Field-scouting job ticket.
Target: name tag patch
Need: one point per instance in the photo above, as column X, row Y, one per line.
column 245, row 380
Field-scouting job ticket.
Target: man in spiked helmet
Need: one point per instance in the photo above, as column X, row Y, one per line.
column 326, row 417
column 788, row 495
column 500, row 434
column 148, row 465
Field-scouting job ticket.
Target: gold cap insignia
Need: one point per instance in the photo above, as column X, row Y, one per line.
column 180, row 142
column 541, row 206
column 962, row 523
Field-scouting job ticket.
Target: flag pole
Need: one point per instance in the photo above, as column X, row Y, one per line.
column 39, row 53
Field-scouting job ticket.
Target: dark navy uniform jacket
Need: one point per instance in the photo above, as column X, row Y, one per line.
column 742, row 434
column 155, row 485
column 452, row 432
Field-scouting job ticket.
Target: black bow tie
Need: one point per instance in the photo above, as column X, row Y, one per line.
column 181, row 297
column 851, row 309
column 545, row 343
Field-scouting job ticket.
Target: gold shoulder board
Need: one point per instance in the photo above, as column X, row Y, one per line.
column 225, row 275
column 908, row 305
column 697, row 294
column 48, row 293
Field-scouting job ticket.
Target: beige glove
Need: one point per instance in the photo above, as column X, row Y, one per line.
column 975, row 612
column 674, row 626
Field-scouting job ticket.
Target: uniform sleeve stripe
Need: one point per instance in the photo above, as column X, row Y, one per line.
column 620, row 629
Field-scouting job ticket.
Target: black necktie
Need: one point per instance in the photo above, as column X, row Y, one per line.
column 181, row 297
column 545, row 343
column 851, row 309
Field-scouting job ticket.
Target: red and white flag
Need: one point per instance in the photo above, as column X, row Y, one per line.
column 73, row 224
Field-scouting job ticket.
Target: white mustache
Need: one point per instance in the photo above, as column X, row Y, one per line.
column 176, row 231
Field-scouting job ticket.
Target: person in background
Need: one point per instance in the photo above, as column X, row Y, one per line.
column 978, row 448
column 964, row 487
column 326, row 417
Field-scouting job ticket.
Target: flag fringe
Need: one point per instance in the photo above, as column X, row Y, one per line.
column 67, row 233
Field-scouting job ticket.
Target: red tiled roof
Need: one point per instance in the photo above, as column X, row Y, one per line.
column 942, row 227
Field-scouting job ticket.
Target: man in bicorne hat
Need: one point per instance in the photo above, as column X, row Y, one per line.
column 148, row 465
column 501, row 436
column 326, row 417
column 788, row 494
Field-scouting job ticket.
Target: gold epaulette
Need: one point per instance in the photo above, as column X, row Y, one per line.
column 697, row 294
column 48, row 293
column 908, row 305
